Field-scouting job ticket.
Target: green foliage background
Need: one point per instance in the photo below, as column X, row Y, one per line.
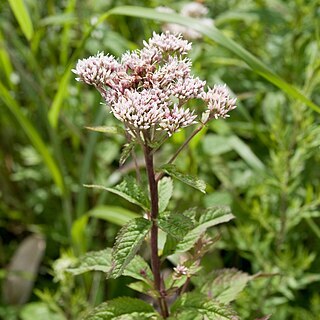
column 263, row 161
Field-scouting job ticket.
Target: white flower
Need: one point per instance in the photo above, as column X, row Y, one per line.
column 219, row 101
column 194, row 9
column 96, row 70
column 177, row 118
column 180, row 270
column 169, row 43
column 139, row 110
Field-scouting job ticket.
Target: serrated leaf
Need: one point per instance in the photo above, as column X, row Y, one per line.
column 215, row 215
column 104, row 129
column 170, row 246
column 129, row 190
column 175, row 224
column 227, row 284
column 191, row 213
column 113, row 214
column 128, row 242
column 124, row 308
column 93, row 261
column 190, row 180
column 208, row 218
column 165, row 192
column 102, row 260
column 127, row 148
column 191, row 306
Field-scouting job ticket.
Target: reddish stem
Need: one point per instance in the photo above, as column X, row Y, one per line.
column 155, row 260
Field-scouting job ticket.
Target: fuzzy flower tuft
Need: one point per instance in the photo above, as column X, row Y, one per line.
column 180, row 270
column 147, row 89
column 97, row 70
column 219, row 101
column 168, row 42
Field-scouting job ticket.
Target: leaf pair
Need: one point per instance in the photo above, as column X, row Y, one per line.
column 185, row 229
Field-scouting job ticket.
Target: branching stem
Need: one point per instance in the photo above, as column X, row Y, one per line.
column 186, row 142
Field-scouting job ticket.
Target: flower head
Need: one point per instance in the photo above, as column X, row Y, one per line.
column 219, row 101
column 169, row 43
column 97, row 70
column 147, row 89
column 180, row 270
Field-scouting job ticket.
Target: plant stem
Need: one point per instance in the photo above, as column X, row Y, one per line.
column 193, row 134
column 155, row 260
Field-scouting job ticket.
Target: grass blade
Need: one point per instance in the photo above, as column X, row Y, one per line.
column 22, row 15
column 5, row 62
column 59, row 97
column 34, row 137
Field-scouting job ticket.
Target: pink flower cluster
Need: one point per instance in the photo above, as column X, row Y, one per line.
column 146, row 89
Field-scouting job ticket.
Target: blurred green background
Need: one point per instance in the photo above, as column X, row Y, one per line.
column 263, row 161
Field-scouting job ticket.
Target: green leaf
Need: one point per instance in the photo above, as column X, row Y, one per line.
column 124, row 308
column 78, row 233
column 175, row 224
column 129, row 190
column 214, row 144
column 22, row 15
column 5, row 62
column 144, row 288
column 102, row 261
column 210, row 217
column 34, row 137
column 245, row 153
column 93, row 261
column 128, row 242
column 218, row 37
column 195, row 306
column 165, row 192
column 104, row 129
column 169, row 246
column 192, row 181
column 215, row 215
column 128, row 147
column 139, row 269
column 227, row 284
column 57, row 102
column 39, row 311
column 113, row 214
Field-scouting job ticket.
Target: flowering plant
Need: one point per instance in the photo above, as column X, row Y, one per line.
column 147, row 90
